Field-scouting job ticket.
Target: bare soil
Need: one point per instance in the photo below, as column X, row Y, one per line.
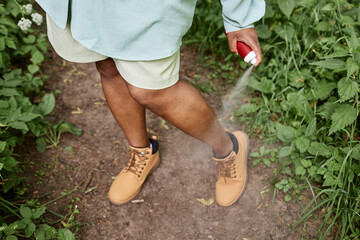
column 168, row 207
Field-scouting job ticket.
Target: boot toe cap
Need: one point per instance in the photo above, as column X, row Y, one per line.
column 227, row 194
column 123, row 190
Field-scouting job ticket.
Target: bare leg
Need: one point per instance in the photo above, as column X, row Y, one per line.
column 184, row 107
column 129, row 114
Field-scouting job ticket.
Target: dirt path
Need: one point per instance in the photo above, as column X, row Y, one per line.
column 168, row 206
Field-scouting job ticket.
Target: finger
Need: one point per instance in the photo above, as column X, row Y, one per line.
column 232, row 43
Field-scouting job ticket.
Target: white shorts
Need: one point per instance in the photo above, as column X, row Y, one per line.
column 156, row 74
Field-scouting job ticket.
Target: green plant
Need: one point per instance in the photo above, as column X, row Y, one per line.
column 54, row 133
column 265, row 155
column 22, row 51
column 309, row 92
column 32, row 223
column 305, row 94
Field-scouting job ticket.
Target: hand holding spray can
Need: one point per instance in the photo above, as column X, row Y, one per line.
column 246, row 52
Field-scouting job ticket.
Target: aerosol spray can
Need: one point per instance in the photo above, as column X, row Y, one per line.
column 246, row 52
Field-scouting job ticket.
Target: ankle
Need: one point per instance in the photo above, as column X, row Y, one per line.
column 223, row 152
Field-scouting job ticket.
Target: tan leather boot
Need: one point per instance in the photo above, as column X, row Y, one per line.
column 129, row 181
column 232, row 173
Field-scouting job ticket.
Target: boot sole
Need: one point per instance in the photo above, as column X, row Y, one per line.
column 136, row 193
column 246, row 159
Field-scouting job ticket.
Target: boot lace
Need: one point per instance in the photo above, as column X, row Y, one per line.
column 226, row 169
column 137, row 161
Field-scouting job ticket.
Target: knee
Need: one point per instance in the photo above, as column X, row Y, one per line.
column 142, row 96
column 107, row 69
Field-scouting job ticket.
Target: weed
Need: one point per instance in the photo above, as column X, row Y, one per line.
column 305, row 94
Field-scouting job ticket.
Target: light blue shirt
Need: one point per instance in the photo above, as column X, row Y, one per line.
column 140, row 30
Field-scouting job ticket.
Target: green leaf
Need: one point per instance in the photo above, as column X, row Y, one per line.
column 356, row 152
column 8, row 92
column 1, row 166
column 13, row 83
column 343, row 52
column 12, row 182
column 14, row 115
column 311, row 128
column 286, row 6
column 307, row 3
column 30, row 229
column 263, row 31
column 41, row 144
column 343, row 116
column 328, row 7
column 10, row 44
column 247, row 108
column 285, row 133
column 267, row 162
column 37, row 58
column 347, row 89
column 18, row 125
column 4, row 104
column 2, row 146
column 13, row 105
column 300, row 105
column 11, row 237
column 9, row 163
column 39, row 212
column 47, row 104
column 329, row 179
column 286, row 151
column 327, row 109
column 265, row 86
column 322, row 26
column 322, row 89
column 33, row 68
column 305, row 163
column 300, row 170
column 69, row 235
column 29, row 39
column 67, row 127
column 330, row 64
column 28, row 116
column 19, row 224
column 352, row 67
column 25, row 211
column 302, row 144
column 353, row 42
column 320, row 149
column 39, row 234
column 286, row 32
column 2, row 44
